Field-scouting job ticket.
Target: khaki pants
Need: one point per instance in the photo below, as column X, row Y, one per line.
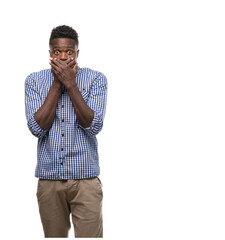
column 82, row 198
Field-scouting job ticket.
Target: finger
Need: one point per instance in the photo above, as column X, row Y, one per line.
column 55, row 72
column 75, row 67
column 55, row 67
column 69, row 60
column 70, row 64
column 60, row 63
column 64, row 63
column 56, row 62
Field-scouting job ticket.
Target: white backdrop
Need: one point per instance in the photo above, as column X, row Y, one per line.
column 162, row 145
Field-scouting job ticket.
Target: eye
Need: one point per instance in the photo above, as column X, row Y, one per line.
column 69, row 52
column 57, row 52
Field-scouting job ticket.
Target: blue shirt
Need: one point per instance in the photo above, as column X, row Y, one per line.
column 66, row 150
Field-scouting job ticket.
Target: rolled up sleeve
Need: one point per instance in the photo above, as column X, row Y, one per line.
column 32, row 104
column 97, row 102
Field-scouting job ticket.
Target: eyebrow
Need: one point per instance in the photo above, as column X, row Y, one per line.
column 63, row 47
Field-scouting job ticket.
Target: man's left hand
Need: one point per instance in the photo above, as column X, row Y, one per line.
column 65, row 72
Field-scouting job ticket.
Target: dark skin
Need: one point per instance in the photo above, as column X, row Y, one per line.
column 63, row 54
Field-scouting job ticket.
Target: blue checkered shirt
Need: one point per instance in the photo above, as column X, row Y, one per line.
column 66, row 150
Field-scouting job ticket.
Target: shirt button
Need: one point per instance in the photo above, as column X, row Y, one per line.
column 61, row 163
column 61, row 149
column 63, row 92
column 62, row 106
column 62, row 120
column 63, row 135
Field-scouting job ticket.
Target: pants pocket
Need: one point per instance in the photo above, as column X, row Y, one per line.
column 38, row 187
column 99, row 181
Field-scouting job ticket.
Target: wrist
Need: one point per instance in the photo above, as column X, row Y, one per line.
column 72, row 87
column 56, row 85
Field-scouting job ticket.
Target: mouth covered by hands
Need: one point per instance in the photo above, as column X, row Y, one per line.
column 64, row 71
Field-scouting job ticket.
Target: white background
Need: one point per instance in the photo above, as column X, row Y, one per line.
column 162, row 146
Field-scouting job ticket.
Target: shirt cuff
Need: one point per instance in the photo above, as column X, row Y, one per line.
column 96, row 125
column 35, row 129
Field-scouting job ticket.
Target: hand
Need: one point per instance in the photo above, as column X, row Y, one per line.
column 64, row 71
column 56, row 80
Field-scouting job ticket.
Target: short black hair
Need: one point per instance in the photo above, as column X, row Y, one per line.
column 64, row 31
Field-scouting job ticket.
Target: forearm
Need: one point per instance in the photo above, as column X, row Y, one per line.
column 46, row 113
column 83, row 112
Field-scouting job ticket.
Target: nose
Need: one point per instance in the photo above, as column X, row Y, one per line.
column 63, row 56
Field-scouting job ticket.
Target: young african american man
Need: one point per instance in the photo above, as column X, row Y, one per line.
column 65, row 107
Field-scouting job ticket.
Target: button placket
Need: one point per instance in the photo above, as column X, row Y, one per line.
column 62, row 150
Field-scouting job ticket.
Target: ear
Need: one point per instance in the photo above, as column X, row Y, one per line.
column 77, row 53
column 50, row 54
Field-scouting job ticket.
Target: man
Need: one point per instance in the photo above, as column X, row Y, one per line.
column 65, row 108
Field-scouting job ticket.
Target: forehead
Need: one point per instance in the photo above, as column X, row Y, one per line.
column 62, row 43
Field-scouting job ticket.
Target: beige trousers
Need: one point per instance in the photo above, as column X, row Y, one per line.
column 81, row 197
